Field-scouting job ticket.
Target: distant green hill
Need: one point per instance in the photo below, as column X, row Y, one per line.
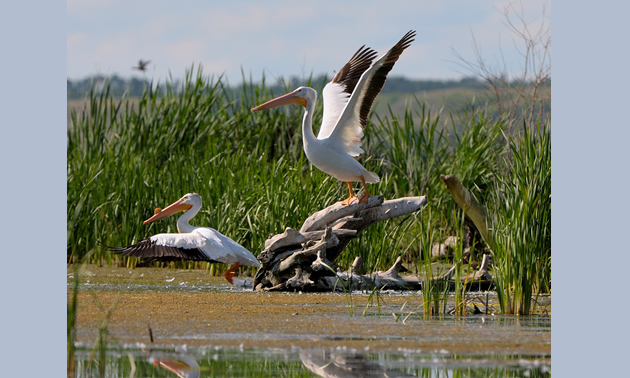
column 399, row 93
column 78, row 89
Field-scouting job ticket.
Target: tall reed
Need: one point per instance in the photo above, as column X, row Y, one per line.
column 521, row 221
column 71, row 318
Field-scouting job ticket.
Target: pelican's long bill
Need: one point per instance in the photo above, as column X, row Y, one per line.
column 170, row 210
column 287, row 99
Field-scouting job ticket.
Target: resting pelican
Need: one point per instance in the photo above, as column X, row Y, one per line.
column 348, row 98
column 192, row 243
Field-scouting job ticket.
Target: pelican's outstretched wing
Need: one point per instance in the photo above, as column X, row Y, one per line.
column 167, row 247
column 338, row 91
column 348, row 129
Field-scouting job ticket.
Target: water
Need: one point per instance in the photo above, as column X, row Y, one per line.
column 335, row 362
column 202, row 327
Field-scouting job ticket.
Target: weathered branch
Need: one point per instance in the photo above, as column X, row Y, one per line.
column 291, row 236
column 304, row 260
column 371, row 215
column 390, row 279
column 469, row 204
column 291, row 258
column 328, row 240
column 329, row 215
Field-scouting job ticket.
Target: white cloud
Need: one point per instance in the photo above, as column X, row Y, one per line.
column 283, row 38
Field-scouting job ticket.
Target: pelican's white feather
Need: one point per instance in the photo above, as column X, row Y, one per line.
column 350, row 134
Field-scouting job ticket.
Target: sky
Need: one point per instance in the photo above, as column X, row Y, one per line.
column 288, row 38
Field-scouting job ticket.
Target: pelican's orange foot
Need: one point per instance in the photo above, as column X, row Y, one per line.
column 349, row 200
column 229, row 274
column 364, row 198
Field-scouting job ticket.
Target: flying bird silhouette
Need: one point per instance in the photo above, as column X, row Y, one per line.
column 142, row 65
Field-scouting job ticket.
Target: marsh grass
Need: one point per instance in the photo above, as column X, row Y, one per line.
column 127, row 156
column 459, row 290
column 375, row 293
column 522, row 221
column 347, row 290
column 71, row 318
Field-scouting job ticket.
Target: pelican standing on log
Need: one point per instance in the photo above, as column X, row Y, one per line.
column 192, row 243
column 348, row 98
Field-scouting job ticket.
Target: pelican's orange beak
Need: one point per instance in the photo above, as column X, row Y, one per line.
column 170, row 210
column 287, row 99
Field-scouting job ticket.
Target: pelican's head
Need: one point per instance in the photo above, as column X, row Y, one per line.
column 187, row 202
column 300, row 96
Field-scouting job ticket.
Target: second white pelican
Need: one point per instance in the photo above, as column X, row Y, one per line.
column 348, row 98
column 192, row 243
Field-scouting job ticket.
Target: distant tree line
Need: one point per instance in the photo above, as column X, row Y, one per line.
column 392, row 85
column 117, row 86
column 134, row 86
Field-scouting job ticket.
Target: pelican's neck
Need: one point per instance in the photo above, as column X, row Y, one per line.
column 307, row 122
column 183, row 227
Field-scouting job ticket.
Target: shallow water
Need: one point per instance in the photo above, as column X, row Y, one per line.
column 233, row 331
column 291, row 362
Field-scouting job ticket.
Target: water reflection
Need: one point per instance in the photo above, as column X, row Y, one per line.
column 336, row 362
column 182, row 364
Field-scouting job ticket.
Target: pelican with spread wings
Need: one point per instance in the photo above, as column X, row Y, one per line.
column 348, row 98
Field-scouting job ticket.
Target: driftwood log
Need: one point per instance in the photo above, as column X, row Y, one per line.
column 304, row 260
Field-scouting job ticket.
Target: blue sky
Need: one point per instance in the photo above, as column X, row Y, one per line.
column 286, row 38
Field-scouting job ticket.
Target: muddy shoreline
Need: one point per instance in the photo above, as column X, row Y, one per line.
column 188, row 307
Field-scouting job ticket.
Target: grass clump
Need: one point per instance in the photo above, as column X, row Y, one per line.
column 522, row 221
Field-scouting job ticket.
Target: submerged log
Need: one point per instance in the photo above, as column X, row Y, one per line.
column 390, row 279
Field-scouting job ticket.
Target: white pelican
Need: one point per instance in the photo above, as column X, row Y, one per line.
column 192, row 243
column 348, row 98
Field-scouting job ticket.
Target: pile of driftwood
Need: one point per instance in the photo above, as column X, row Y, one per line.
column 304, row 260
